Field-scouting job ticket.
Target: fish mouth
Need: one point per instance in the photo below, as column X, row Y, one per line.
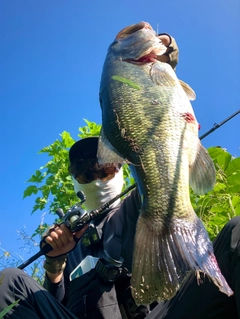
column 148, row 58
column 132, row 29
column 151, row 52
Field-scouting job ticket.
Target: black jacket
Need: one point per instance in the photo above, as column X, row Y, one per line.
column 89, row 294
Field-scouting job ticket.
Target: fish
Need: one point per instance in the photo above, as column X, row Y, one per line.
column 148, row 122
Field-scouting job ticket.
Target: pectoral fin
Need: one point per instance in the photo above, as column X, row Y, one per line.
column 202, row 172
column 163, row 74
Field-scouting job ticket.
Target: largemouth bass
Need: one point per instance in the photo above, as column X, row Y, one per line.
column 148, row 122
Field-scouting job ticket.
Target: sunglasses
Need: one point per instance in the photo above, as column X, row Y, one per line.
column 102, row 172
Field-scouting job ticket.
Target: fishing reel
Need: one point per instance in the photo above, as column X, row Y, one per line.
column 76, row 216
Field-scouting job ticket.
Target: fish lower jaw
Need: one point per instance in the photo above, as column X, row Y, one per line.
column 143, row 60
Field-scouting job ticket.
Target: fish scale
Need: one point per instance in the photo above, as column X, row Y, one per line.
column 148, row 122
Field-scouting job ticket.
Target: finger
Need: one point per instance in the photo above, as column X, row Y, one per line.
column 79, row 233
column 49, row 240
column 166, row 40
column 58, row 238
column 67, row 232
column 64, row 236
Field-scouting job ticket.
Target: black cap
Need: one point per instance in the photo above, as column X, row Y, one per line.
column 84, row 148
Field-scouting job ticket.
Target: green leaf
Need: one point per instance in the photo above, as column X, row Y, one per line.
column 41, row 201
column 35, row 208
column 218, row 220
column 92, row 129
column 234, row 189
column 217, row 209
column 234, row 179
column 6, row 310
column 233, row 167
column 223, row 160
column 37, row 178
column 68, row 141
column 237, row 210
column 30, row 190
column 46, row 190
column 50, row 180
column 126, row 81
column 214, row 152
column 235, row 200
column 219, row 186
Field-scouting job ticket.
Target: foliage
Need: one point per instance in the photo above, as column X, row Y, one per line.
column 52, row 185
column 221, row 204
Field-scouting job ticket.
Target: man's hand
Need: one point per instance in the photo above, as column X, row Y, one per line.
column 62, row 239
column 171, row 55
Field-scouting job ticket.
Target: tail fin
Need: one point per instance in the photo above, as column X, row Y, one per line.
column 163, row 260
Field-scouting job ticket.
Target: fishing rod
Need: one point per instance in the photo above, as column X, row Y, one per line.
column 76, row 217
column 216, row 126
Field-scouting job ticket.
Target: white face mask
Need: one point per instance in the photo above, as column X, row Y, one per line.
column 99, row 193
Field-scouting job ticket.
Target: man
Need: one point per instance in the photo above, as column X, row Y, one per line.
column 97, row 293
column 103, row 292
column 94, row 294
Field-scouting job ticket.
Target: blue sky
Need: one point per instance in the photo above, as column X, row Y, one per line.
column 51, row 57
